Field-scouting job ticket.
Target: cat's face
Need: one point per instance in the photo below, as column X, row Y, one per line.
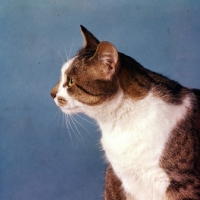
column 88, row 79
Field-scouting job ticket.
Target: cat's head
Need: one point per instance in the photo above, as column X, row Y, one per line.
column 90, row 78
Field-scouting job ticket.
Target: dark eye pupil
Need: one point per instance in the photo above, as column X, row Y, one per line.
column 70, row 81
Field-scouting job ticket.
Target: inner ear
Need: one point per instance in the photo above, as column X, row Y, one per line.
column 107, row 54
column 90, row 41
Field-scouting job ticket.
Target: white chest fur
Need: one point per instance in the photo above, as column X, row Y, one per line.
column 134, row 137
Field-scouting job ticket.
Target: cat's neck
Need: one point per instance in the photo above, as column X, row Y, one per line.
column 108, row 109
column 122, row 115
column 138, row 91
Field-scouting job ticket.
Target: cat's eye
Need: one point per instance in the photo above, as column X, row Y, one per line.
column 70, row 81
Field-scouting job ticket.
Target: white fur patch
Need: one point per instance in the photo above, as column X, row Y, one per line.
column 73, row 106
column 134, row 137
column 134, row 134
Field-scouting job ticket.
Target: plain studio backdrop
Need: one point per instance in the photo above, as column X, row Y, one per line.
column 43, row 155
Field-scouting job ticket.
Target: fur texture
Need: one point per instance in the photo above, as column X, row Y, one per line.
column 150, row 124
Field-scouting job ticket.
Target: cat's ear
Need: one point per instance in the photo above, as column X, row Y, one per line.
column 107, row 54
column 90, row 41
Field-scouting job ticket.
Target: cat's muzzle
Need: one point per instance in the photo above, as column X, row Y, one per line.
column 61, row 101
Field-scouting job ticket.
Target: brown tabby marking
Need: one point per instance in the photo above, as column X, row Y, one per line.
column 98, row 71
column 181, row 158
column 113, row 189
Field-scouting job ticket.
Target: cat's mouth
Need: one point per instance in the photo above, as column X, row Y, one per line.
column 70, row 110
column 64, row 106
column 61, row 101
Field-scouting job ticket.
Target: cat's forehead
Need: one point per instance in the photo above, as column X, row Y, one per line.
column 67, row 65
column 78, row 64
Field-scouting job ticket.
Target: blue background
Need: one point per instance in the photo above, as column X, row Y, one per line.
column 38, row 158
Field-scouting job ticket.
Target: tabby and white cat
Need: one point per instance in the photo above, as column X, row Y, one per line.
column 150, row 125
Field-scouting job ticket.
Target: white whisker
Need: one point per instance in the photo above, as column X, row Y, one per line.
column 57, row 114
column 81, row 125
column 72, row 128
column 85, row 119
column 63, row 120
column 77, row 129
column 67, row 56
column 60, row 56
column 66, row 120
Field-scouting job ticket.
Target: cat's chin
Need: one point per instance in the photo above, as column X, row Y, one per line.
column 70, row 111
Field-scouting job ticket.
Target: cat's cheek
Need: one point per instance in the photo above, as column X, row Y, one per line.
column 85, row 99
column 70, row 91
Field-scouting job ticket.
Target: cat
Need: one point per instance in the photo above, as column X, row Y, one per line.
column 150, row 124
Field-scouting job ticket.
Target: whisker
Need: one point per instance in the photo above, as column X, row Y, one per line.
column 86, row 119
column 60, row 56
column 77, row 130
column 81, row 125
column 63, row 119
column 67, row 56
column 66, row 120
column 57, row 115
column 73, row 129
